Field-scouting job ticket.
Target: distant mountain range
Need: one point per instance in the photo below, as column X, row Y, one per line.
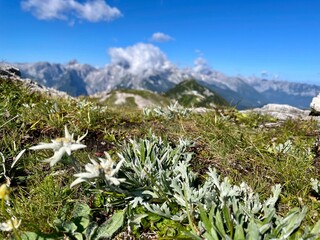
column 243, row 92
column 188, row 93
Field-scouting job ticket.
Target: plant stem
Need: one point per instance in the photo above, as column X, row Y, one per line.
column 7, row 215
column 188, row 213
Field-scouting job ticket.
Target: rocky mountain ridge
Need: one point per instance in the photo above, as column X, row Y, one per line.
column 11, row 73
column 243, row 92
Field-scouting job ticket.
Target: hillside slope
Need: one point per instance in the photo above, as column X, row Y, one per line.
column 190, row 93
column 130, row 98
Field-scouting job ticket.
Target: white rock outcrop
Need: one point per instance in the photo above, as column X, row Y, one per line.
column 315, row 106
column 9, row 71
column 281, row 111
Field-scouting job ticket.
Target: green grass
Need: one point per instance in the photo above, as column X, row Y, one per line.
column 240, row 149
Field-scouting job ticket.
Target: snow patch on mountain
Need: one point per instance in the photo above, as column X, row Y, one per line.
column 140, row 101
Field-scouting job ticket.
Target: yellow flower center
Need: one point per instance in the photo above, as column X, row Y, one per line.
column 4, row 192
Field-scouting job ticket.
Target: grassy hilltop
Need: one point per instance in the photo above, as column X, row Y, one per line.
column 189, row 93
column 166, row 179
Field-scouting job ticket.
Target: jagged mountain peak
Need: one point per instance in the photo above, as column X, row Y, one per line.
column 294, row 88
column 63, row 77
column 243, row 92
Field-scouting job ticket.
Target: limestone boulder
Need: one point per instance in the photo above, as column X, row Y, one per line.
column 315, row 106
column 282, row 111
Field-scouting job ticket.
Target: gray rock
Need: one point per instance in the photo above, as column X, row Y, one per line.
column 9, row 71
column 315, row 106
column 36, row 87
column 281, row 111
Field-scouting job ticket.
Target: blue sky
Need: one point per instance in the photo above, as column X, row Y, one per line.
column 247, row 37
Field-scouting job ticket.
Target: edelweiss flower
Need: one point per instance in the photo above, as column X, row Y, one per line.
column 94, row 170
column 60, row 146
column 10, row 224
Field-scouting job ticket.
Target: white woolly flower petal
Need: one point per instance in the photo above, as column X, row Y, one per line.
column 86, row 175
column 76, row 146
column 115, row 181
column 106, row 163
column 56, row 157
column 67, row 149
column 117, row 167
column 77, row 181
column 121, row 157
column 93, row 161
column 91, row 167
column 82, row 137
column 53, row 145
column 10, row 224
column 108, row 156
column 66, row 133
column 94, row 166
column 93, row 171
column 105, row 167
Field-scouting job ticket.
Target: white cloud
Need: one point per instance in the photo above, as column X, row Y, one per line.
column 199, row 52
column 46, row 9
column 93, row 10
column 161, row 37
column 201, row 66
column 264, row 74
column 97, row 10
column 140, row 58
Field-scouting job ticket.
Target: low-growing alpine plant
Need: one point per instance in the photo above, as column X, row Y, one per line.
column 157, row 177
column 171, row 111
column 140, row 186
column 154, row 176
